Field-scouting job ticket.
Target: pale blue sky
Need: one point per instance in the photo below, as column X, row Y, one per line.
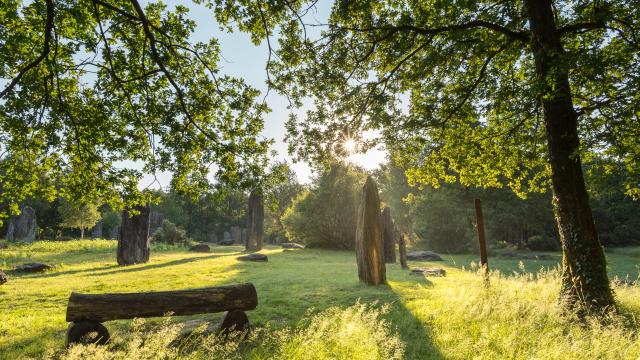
column 243, row 59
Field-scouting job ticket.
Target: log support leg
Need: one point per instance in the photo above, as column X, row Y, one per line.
column 86, row 332
column 235, row 320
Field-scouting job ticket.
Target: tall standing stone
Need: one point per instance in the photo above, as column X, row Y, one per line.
column 369, row 237
column 388, row 234
column 255, row 223
column 96, row 231
column 155, row 221
column 22, row 228
column 133, row 242
column 244, row 235
column 236, row 234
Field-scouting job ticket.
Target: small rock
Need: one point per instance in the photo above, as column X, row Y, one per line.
column 291, row 245
column 33, row 267
column 253, row 257
column 3, row 277
column 423, row 255
column 203, row 248
column 429, row 271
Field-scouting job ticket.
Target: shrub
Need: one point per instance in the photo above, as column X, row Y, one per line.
column 543, row 243
column 171, row 234
column 325, row 216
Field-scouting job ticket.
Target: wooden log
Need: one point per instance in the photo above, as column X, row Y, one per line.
column 133, row 243
column 86, row 332
column 369, row 239
column 105, row 307
column 388, row 233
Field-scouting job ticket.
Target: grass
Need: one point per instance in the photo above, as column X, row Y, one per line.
column 303, row 294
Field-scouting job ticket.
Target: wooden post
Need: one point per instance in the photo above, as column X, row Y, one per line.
column 403, row 251
column 484, row 262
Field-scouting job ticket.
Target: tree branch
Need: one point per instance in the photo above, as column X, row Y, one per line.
column 48, row 29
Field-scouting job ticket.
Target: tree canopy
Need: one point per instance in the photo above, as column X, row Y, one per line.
column 91, row 87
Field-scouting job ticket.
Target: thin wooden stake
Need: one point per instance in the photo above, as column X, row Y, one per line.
column 484, row 261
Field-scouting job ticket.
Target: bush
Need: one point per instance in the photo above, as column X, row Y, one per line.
column 171, row 234
column 325, row 216
column 543, row 243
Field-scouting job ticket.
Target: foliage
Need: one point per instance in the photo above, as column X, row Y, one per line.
column 86, row 85
column 79, row 216
column 325, row 215
column 110, row 223
column 453, row 317
column 170, row 234
column 279, row 198
column 543, row 243
column 214, row 212
column 357, row 332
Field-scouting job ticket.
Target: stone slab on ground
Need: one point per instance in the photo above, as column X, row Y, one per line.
column 203, row 248
column 33, row 267
column 253, row 257
column 291, row 245
column 423, row 255
column 525, row 255
column 429, row 271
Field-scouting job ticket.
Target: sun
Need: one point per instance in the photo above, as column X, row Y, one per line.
column 350, row 146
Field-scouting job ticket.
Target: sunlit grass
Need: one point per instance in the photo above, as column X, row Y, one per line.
column 450, row 317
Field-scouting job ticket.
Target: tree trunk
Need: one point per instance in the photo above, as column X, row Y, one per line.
column 133, row 243
column 585, row 283
column 369, row 238
column 255, row 223
column 81, row 233
column 388, row 236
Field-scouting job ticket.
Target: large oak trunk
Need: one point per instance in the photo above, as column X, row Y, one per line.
column 388, row 236
column 133, row 243
column 584, row 277
column 105, row 307
column 255, row 223
column 369, row 238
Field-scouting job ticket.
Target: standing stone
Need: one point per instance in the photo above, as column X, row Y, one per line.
column 244, row 235
column 133, row 243
column 96, row 232
column 22, row 228
column 213, row 238
column 369, row 237
column 388, row 234
column 155, row 222
column 3, row 277
column 226, row 239
column 255, row 223
column 236, row 234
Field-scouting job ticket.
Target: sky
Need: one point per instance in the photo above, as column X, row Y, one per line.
column 243, row 59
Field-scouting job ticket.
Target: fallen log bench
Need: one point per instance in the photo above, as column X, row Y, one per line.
column 86, row 312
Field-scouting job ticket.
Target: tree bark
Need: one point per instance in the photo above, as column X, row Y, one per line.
column 369, row 238
column 133, row 242
column 106, row 307
column 255, row 223
column 388, row 236
column 585, row 285
column 81, row 233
